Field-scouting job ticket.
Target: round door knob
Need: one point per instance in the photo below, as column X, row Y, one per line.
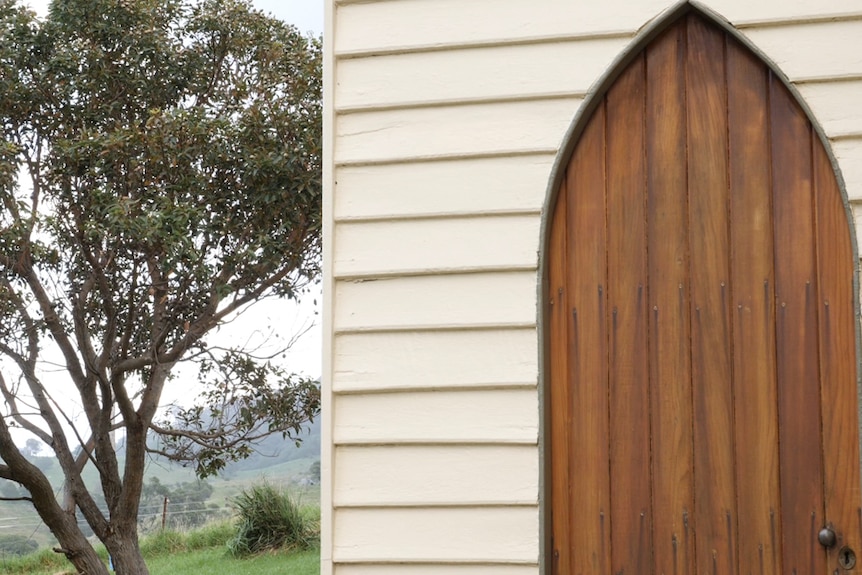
column 827, row 537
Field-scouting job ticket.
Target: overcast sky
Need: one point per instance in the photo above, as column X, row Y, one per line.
column 307, row 15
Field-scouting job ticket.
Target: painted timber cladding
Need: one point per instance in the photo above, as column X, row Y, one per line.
column 444, row 119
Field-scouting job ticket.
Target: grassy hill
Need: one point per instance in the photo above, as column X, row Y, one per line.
column 276, row 460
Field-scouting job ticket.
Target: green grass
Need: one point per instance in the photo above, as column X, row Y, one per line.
column 206, row 561
column 42, row 562
column 198, row 552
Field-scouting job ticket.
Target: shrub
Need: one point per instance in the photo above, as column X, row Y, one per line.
column 270, row 519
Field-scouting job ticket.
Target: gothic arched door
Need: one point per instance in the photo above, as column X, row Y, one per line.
column 703, row 387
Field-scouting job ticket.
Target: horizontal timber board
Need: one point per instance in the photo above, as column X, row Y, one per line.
column 849, row 156
column 475, row 73
column 439, row 569
column 452, row 130
column 441, row 475
column 458, row 243
column 430, row 23
column 830, row 105
column 479, row 534
column 821, row 50
column 856, row 210
column 460, row 186
column 438, row 359
column 469, row 300
column 744, row 13
column 475, row 416
column 424, row 24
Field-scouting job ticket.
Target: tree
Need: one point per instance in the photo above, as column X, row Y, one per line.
column 32, row 447
column 171, row 162
column 314, row 471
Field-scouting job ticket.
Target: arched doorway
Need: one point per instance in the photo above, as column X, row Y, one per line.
column 701, row 335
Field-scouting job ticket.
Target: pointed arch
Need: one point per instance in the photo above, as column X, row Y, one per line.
column 701, row 355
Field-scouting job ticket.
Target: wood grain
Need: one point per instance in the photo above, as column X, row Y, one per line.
column 561, row 407
column 588, row 352
column 631, row 506
column 796, row 335
column 756, row 414
column 837, row 368
column 706, row 273
column 669, row 359
column 711, row 355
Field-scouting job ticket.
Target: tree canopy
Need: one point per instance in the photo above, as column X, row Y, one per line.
column 159, row 171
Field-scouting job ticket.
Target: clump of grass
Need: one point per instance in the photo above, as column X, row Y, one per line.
column 270, row 519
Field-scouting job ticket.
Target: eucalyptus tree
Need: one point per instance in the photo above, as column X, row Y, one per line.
column 159, row 172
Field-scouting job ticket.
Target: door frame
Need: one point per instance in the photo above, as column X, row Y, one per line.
column 593, row 99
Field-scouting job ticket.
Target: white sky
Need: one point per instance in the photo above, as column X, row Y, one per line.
column 288, row 318
column 307, row 15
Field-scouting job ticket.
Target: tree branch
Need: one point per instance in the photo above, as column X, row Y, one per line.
column 15, row 413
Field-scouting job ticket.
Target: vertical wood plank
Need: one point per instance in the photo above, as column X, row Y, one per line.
column 756, row 415
column 669, row 358
column 588, row 356
column 796, row 336
column 711, row 356
column 560, row 408
column 631, row 513
column 837, row 361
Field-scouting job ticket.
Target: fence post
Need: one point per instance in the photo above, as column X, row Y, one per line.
column 164, row 512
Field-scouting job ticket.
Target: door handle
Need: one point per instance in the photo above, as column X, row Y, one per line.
column 827, row 538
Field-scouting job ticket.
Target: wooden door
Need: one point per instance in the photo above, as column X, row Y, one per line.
column 703, row 391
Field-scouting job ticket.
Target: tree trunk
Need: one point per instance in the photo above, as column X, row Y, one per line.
column 126, row 553
column 86, row 562
column 78, row 550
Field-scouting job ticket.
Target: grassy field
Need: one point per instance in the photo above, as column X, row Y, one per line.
column 203, row 562
column 208, row 561
column 268, row 518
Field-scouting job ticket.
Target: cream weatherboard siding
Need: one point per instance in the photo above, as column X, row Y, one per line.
column 443, row 122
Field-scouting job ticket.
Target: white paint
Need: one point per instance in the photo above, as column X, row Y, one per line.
column 453, row 130
column 817, row 50
column 434, row 188
column 381, row 569
column 475, row 74
column 391, row 361
column 388, row 25
column 366, row 249
column 849, row 155
column 466, row 300
column 492, row 416
column 381, row 26
column 327, row 451
column 450, row 475
column 747, row 13
column 831, row 104
column 497, row 535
